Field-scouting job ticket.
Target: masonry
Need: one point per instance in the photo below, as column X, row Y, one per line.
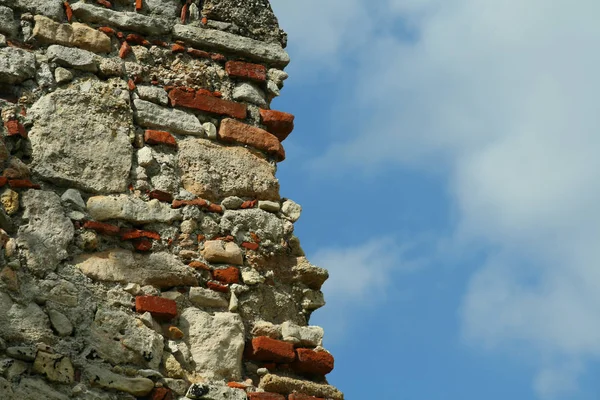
column 146, row 250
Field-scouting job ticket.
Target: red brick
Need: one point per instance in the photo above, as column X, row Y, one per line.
column 137, row 233
column 201, row 238
column 160, row 137
column 161, row 393
column 207, row 103
column 160, row 43
column 177, row 48
column 160, row 195
column 68, row 11
column 159, row 307
column 198, row 53
column 266, row 349
column 138, row 5
column 249, row 204
column 204, row 21
column 104, row 3
column 107, row 30
column 300, row 396
column 239, row 69
column 218, row 57
column 236, row 385
column 22, row 184
column 265, row 396
column 174, row 333
column 250, row 246
column 227, row 275
column 217, row 287
column 120, row 35
column 199, row 265
column 124, row 50
column 101, row 227
column 137, row 39
column 14, row 127
column 313, row 362
column 142, row 244
column 3, row 181
column 237, row 132
column 184, row 11
column 131, row 85
column 279, row 123
column 215, row 208
column 195, row 202
column 255, row 237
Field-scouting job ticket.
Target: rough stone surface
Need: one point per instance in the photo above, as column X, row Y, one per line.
column 214, row 172
column 16, row 65
column 56, row 367
column 201, row 297
column 62, row 75
column 22, row 323
column 76, row 34
column 150, row 115
column 249, row 92
column 291, row 210
column 60, row 323
column 218, row 251
column 285, row 385
column 97, row 124
column 269, row 53
column 104, row 378
column 128, row 208
column 311, row 336
column 214, row 392
column 216, row 343
column 49, row 8
column 123, row 266
column 241, row 222
column 154, row 94
column 74, row 58
column 48, row 232
column 8, row 25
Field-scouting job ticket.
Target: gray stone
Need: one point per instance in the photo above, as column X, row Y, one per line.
column 154, row 94
column 49, row 8
column 232, row 202
column 211, row 130
column 2, row 40
column 113, row 66
column 48, row 232
column 76, row 130
column 60, row 323
column 25, row 353
column 275, row 304
column 264, row 328
column 8, row 25
column 308, row 274
column 269, row 53
column 312, row 300
column 277, row 76
column 72, row 198
column 291, row 210
column 6, row 389
column 62, row 75
column 216, row 343
column 210, row 391
column 16, row 65
column 21, row 323
column 124, row 20
column 75, row 58
column 131, row 209
column 246, row 91
column 165, row 8
column 44, row 75
column 150, row 115
column 138, row 344
column 241, row 222
column 273, row 89
column 285, row 385
column 201, row 297
column 55, row 367
column 218, row 251
column 106, row 379
column 144, row 156
column 159, row 269
column 178, row 386
column 250, row 276
column 213, row 171
column 36, row 389
column 270, row 206
column 309, row 336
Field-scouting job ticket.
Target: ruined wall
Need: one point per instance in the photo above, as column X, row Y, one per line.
column 146, row 251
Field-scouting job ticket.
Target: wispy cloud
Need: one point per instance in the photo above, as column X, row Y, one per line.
column 501, row 98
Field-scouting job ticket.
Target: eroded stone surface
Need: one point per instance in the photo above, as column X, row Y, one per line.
column 75, row 131
column 151, row 115
column 98, row 376
column 214, row 172
column 16, row 65
column 132, row 209
column 123, row 20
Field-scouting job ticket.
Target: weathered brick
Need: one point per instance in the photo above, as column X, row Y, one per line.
column 249, row 204
column 217, row 287
column 207, row 103
column 159, row 137
column 300, row 396
column 265, row 396
column 239, row 69
column 250, row 246
column 195, row 202
column 137, row 234
column 142, row 244
column 137, row 39
column 313, row 362
column 68, row 11
column 215, row 208
column 159, row 307
column 102, row 228
column 131, row 85
column 266, row 349
column 218, row 57
column 22, row 184
column 138, row 5
column 228, row 275
column 161, row 393
column 3, row 181
column 104, row 3
column 160, row 195
column 174, row 333
column 14, row 127
column 107, row 30
column 279, row 123
column 198, row 53
column 237, row 132
column 237, row 385
column 184, row 11
column 199, row 265
column 124, row 50
column 177, row 48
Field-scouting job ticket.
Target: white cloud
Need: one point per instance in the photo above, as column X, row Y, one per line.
column 501, row 96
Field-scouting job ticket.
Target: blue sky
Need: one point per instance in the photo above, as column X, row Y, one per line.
column 446, row 156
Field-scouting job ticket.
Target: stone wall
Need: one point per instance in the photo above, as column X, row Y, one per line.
column 146, row 251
